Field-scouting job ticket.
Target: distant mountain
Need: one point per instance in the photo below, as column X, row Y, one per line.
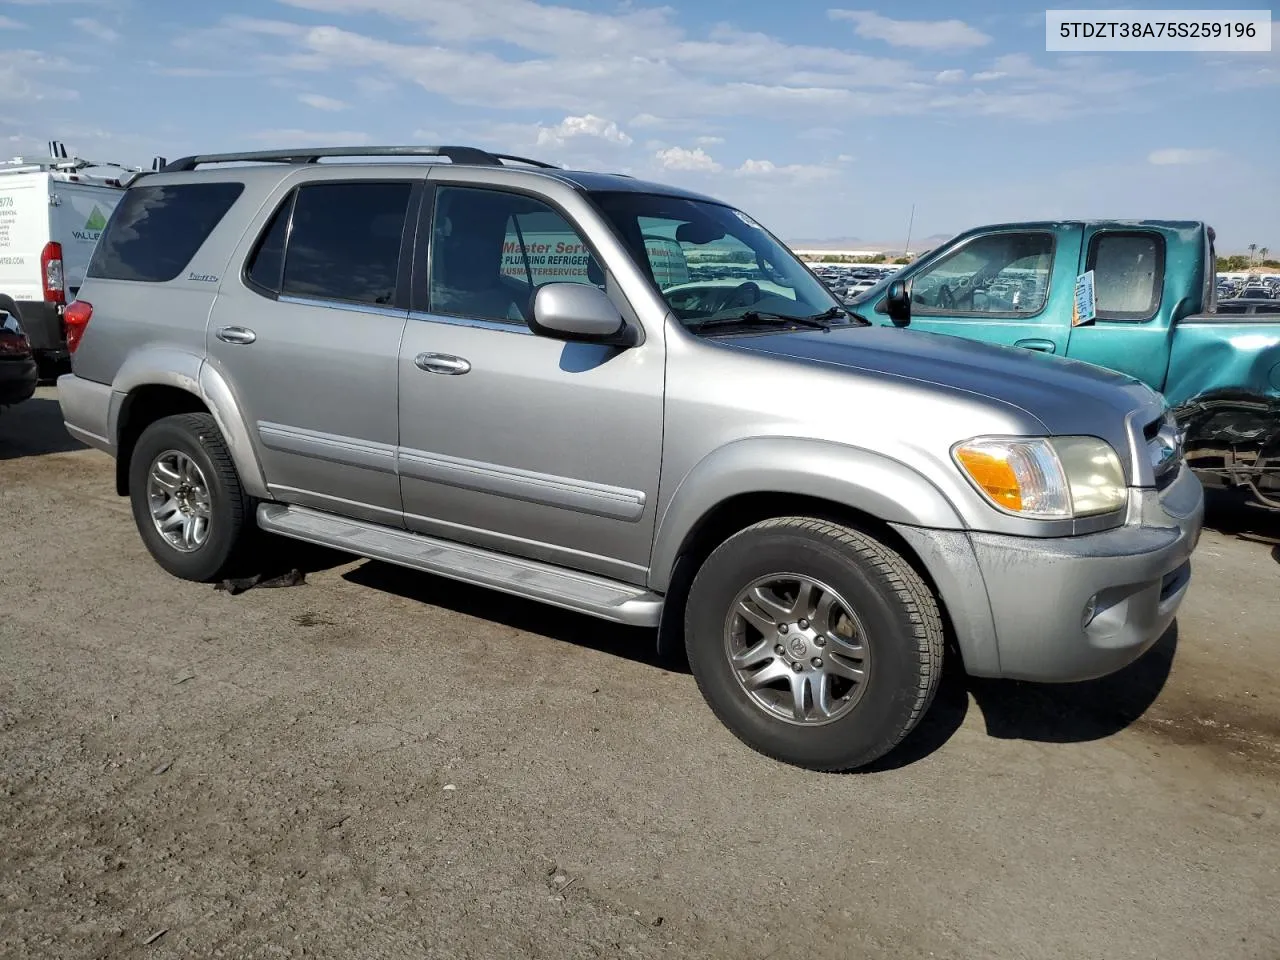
column 857, row 243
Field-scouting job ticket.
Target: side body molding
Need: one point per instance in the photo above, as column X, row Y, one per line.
column 171, row 367
column 857, row 478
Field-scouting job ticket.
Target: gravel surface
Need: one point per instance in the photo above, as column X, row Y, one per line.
column 383, row 764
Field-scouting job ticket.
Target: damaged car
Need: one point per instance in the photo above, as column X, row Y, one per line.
column 1139, row 297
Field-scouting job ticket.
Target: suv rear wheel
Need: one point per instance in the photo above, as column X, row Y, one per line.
column 187, row 501
column 814, row 643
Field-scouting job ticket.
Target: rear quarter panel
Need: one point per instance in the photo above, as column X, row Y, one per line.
column 129, row 316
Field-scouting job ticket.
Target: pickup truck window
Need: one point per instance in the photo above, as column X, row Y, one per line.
column 992, row 276
column 492, row 249
column 344, row 241
column 1128, row 274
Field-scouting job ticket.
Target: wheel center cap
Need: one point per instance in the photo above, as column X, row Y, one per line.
column 798, row 647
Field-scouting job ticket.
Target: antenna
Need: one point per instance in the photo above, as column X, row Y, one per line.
column 910, row 224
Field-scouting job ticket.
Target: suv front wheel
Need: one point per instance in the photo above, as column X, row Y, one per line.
column 814, row 643
column 187, row 501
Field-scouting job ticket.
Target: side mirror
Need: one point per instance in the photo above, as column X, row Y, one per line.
column 578, row 312
column 898, row 302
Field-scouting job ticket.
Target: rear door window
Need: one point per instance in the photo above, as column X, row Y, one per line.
column 266, row 264
column 345, row 240
column 155, row 231
column 1128, row 274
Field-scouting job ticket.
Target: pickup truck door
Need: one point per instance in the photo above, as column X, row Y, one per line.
column 1132, row 333
column 1011, row 286
column 521, row 443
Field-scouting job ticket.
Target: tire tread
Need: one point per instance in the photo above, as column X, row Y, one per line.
column 911, row 591
column 203, row 429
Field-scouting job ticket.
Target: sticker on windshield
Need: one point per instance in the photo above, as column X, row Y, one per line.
column 747, row 220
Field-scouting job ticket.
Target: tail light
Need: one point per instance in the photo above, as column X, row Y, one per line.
column 77, row 317
column 51, row 274
column 13, row 344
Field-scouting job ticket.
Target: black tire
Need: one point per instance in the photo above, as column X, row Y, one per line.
column 896, row 609
column 230, row 522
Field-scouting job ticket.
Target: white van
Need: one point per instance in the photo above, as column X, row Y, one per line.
column 52, row 211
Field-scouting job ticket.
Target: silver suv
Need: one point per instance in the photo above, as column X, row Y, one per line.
column 627, row 400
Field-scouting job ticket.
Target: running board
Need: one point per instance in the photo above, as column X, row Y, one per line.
column 580, row 592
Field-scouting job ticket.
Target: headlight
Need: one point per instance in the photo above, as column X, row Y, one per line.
column 1045, row 477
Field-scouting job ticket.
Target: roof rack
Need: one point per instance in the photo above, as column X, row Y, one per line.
column 470, row 155
column 74, row 168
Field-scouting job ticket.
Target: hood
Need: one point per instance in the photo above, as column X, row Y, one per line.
column 1067, row 396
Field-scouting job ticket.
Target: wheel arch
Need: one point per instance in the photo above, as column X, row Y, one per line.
column 735, row 488
column 166, row 382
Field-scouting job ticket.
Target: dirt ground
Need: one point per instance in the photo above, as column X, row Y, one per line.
column 383, row 764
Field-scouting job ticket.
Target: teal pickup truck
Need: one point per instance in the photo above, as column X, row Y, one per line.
column 1135, row 296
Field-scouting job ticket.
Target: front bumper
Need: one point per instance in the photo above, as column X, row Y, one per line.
column 18, row 380
column 1019, row 608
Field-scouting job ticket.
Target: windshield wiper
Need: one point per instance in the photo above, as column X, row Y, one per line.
column 818, row 321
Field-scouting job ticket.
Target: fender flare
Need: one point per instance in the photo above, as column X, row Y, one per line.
column 182, row 370
column 870, row 482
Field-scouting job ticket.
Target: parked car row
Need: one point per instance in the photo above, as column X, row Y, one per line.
column 848, row 281
column 1266, row 288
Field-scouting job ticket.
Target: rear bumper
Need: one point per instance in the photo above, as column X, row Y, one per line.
column 43, row 325
column 86, row 410
column 1020, row 611
column 18, row 380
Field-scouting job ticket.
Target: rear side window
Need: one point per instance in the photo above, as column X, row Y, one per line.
column 344, row 243
column 266, row 265
column 155, row 231
column 1128, row 274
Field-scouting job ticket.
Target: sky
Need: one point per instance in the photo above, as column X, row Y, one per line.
column 823, row 121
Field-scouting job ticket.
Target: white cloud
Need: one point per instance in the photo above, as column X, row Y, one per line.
column 648, row 120
column 8, row 23
column 321, row 102
column 24, row 77
column 507, row 54
column 921, row 34
column 1182, row 156
column 794, row 171
column 678, row 158
column 542, row 28
column 96, row 29
column 374, row 86
column 708, row 141
column 585, row 126
column 293, row 137
column 985, row 75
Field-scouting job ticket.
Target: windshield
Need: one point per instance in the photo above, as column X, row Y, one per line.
column 711, row 261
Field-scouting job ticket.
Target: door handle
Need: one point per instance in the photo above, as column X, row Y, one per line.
column 1044, row 346
column 236, row 335
column 441, row 363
